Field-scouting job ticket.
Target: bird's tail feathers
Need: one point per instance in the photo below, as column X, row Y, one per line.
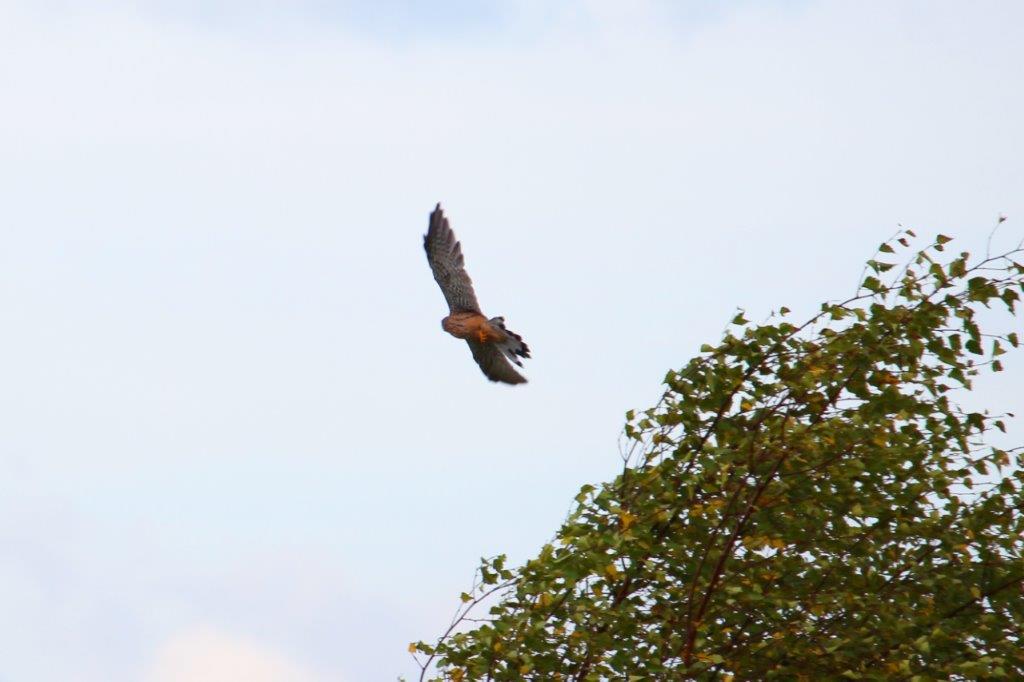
column 513, row 346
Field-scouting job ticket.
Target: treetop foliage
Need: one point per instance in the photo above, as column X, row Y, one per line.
column 806, row 501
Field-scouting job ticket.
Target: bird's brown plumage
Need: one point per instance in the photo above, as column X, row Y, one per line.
column 444, row 253
column 494, row 364
column 490, row 343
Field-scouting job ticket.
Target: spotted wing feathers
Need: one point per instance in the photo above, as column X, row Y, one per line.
column 444, row 253
column 494, row 364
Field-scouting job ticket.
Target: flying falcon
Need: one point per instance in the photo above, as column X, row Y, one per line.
column 490, row 342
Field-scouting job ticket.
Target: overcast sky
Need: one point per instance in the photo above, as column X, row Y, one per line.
column 235, row 440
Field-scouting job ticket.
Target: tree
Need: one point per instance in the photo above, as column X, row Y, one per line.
column 806, row 501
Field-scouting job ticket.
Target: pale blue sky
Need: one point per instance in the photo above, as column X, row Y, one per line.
column 231, row 414
column 412, row 21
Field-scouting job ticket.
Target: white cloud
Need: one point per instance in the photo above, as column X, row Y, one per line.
column 205, row 654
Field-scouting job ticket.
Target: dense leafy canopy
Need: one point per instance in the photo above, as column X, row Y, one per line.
column 807, row 501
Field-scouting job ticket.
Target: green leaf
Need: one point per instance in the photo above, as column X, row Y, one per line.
column 872, row 284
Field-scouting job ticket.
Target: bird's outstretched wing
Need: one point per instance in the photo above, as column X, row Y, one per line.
column 445, row 257
column 493, row 362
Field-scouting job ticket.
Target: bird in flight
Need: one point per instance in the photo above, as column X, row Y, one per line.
column 492, row 345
